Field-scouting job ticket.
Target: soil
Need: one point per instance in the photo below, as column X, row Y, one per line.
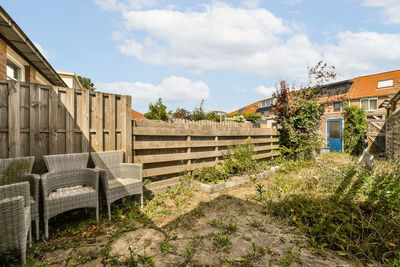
column 225, row 228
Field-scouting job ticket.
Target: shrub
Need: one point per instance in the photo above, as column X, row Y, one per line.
column 355, row 126
column 158, row 111
column 238, row 117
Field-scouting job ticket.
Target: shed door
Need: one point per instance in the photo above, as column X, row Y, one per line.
column 334, row 133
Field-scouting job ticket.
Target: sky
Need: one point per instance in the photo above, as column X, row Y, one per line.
column 229, row 53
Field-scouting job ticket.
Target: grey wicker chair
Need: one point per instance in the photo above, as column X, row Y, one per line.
column 118, row 179
column 14, row 170
column 68, row 185
column 15, row 218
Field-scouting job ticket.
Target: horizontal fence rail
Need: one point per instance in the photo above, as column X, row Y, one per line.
column 168, row 149
column 42, row 120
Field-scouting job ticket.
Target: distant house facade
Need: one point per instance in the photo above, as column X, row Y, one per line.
column 70, row 79
column 372, row 92
column 263, row 108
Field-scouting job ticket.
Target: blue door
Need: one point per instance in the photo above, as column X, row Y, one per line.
column 334, row 133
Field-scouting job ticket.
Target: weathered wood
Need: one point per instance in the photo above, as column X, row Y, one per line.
column 70, row 117
column 34, row 133
column 13, row 119
column 99, row 126
column 53, row 124
column 85, row 107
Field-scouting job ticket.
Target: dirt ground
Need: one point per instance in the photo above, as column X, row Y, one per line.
column 227, row 228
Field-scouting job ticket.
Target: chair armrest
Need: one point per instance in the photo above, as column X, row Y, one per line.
column 11, row 211
column 16, row 190
column 34, row 182
column 131, row 170
column 68, row 178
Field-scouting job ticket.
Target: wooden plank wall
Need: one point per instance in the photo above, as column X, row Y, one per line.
column 43, row 120
column 376, row 135
column 393, row 136
column 167, row 149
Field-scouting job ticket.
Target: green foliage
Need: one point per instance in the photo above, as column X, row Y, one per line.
column 199, row 113
column 298, row 114
column 244, row 117
column 237, row 160
column 158, row 111
column 86, row 83
column 181, row 113
column 340, row 207
column 14, row 171
column 355, row 126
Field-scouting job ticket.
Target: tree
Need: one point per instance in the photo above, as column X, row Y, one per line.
column 299, row 114
column 86, row 83
column 181, row 113
column 355, row 127
column 158, row 111
column 198, row 113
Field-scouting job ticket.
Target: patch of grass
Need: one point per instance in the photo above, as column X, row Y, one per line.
column 165, row 248
column 221, row 241
column 289, row 258
column 339, row 206
column 227, row 227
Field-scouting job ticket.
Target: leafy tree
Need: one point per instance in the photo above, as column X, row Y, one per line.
column 158, row 111
column 355, row 127
column 299, row 114
column 181, row 113
column 86, row 83
column 198, row 113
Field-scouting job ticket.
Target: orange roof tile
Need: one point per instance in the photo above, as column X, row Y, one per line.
column 250, row 109
column 137, row 115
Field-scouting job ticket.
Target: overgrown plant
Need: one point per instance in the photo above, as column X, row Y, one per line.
column 355, row 126
column 158, row 111
column 299, row 114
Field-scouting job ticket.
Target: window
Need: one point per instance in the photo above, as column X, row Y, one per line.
column 337, row 107
column 13, row 71
column 265, row 103
column 370, row 103
column 385, row 84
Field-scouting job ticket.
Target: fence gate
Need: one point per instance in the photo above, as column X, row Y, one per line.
column 376, row 134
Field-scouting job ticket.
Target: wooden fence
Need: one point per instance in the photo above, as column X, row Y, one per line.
column 393, row 136
column 167, row 149
column 376, row 135
column 42, row 120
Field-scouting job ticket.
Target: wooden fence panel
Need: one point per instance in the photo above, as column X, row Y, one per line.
column 393, row 136
column 168, row 149
column 39, row 120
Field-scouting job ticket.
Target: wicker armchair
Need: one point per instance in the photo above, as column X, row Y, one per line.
column 68, row 185
column 14, row 170
column 118, row 179
column 15, row 218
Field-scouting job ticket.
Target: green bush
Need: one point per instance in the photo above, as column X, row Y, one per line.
column 237, row 160
column 248, row 117
column 355, row 126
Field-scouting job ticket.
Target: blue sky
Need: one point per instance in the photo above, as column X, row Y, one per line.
column 230, row 53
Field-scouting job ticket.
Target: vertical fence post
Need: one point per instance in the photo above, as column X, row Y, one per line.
column 53, row 120
column 34, row 131
column 85, row 121
column 99, row 121
column 126, row 131
column 70, row 117
column 216, row 148
column 14, row 119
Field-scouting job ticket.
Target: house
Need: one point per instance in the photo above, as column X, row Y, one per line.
column 263, row 108
column 137, row 115
column 20, row 59
column 372, row 92
column 70, row 79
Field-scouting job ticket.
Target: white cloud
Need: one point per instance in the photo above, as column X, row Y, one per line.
column 364, row 52
column 219, row 37
column 113, row 5
column 390, row 9
column 264, row 91
column 172, row 90
column 292, row 2
column 250, row 3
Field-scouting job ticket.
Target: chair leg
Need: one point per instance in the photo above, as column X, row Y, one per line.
column 30, row 236
column 109, row 211
column 46, row 229
column 141, row 200
column 37, row 229
column 23, row 257
column 97, row 214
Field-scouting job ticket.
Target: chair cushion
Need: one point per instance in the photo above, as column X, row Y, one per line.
column 69, row 191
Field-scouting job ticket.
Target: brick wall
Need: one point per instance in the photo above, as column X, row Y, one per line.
column 3, row 60
column 30, row 74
